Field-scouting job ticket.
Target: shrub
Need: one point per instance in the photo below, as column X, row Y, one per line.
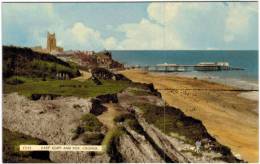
column 91, row 123
column 52, row 67
column 15, row 80
column 93, row 138
column 110, row 137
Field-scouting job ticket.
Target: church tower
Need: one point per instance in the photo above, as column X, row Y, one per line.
column 51, row 42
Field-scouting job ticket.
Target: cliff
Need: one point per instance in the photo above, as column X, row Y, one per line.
column 138, row 127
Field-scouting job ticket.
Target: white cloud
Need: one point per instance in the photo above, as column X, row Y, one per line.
column 84, row 35
column 173, row 26
column 81, row 36
column 202, row 25
column 148, row 35
column 162, row 12
column 238, row 21
column 169, row 12
column 169, row 25
column 111, row 43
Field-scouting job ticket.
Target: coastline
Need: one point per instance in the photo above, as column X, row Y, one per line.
column 251, row 86
column 234, row 82
column 216, row 105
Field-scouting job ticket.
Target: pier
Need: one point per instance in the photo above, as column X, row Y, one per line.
column 204, row 66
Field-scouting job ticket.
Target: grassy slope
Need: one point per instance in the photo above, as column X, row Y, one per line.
column 83, row 89
column 25, row 62
column 171, row 120
column 11, row 153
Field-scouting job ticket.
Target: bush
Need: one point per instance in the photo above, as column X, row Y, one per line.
column 25, row 62
column 91, row 123
column 51, row 67
column 112, row 135
column 93, row 138
column 102, row 74
column 15, row 80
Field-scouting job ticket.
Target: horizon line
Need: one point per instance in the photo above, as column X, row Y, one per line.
column 145, row 49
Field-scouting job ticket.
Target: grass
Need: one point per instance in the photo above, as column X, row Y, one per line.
column 171, row 120
column 110, row 136
column 91, row 123
column 15, row 80
column 130, row 120
column 12, row 141
column 65, row 87
column 139, row 92
column 134, row 125
column 174, row 123
column 25, row 62
column 181, row 138
column 52, row 67
column 93, row 138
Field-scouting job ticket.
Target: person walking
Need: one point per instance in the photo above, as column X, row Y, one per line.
column 198, row 145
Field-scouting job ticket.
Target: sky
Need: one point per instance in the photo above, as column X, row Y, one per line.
column 133, row 26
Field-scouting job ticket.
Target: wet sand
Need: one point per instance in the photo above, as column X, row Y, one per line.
column 229, row 117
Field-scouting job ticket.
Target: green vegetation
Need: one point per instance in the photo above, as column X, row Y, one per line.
column 65, row 87
column 15, row 80
column 21, row 141
column 25, row 62
column 91, row 123
column 52, row 67
column 130, row 120
column 134, row 124
column 11, row 146
column 139, row 92
column 93, row 138
column 110, row 137
column 171, row 120
column 181, row 138
column 91, row 127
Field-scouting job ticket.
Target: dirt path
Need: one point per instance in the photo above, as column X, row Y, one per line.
column 229, row 117
column 84, row 76
column 107, row 117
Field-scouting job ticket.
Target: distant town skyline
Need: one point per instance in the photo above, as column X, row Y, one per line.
column 133, row 26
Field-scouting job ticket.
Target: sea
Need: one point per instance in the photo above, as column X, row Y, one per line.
column 246, row 59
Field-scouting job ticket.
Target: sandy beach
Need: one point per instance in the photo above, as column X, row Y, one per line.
column 228, row 115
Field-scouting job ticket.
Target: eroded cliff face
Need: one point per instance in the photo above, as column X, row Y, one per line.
column 51, row 121
column 175, row 138
column 175, row 148
column 135, row 148
column 163, row 142
column 143, row 138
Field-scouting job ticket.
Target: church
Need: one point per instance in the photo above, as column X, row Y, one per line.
column 51, row 48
